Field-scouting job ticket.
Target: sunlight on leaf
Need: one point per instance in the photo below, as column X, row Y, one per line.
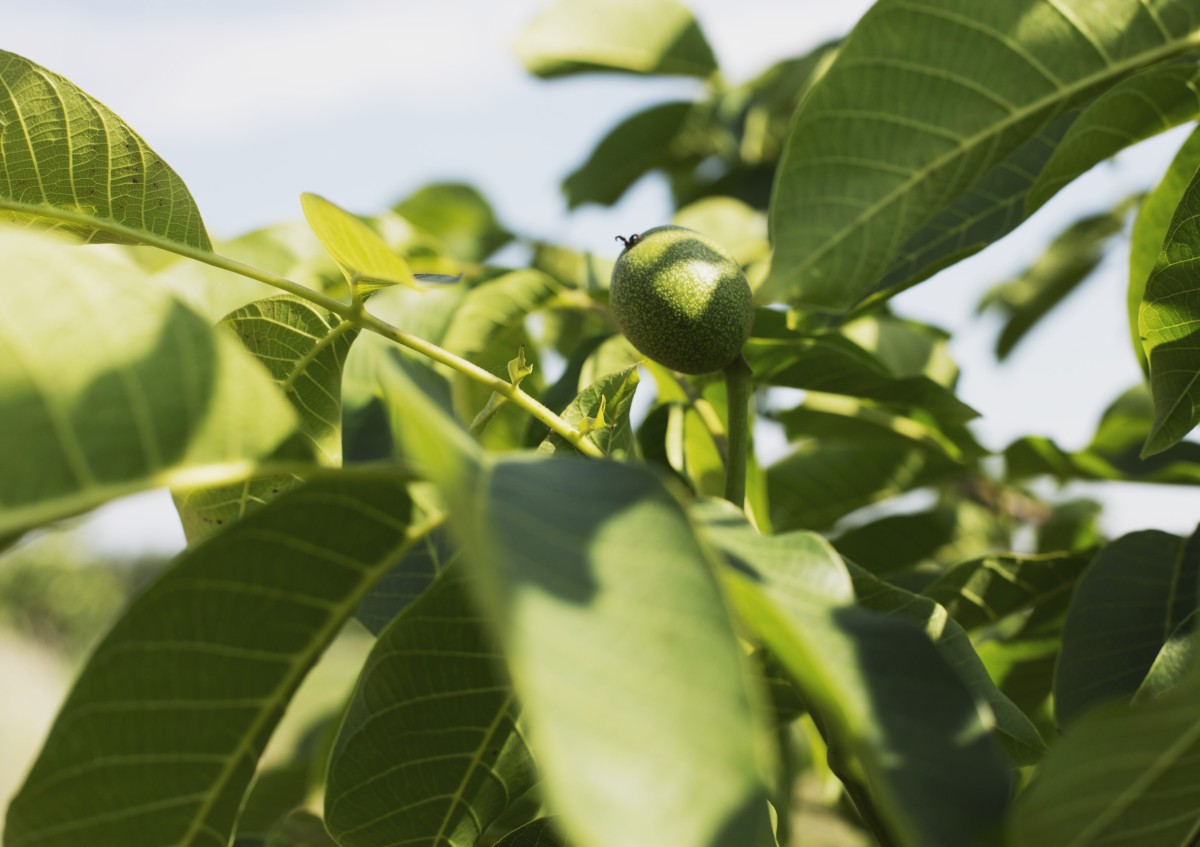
column 364, row 258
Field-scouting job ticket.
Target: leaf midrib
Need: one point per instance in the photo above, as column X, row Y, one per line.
column 1060, row 95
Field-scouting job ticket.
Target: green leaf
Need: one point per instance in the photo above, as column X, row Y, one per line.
column 921, row 103
column 603, row 678
column 984, row 591
column 458, row 216
column 429, row 749
column 537, row 833
column 304, row 348
column 108, row 390
column 488, row 310
column 1017, row 737
column 160, row 735
column 738, row 227
column 1122, row 775
column 1168, row 318
column 821, row 481
column 1134, row 109
column 631, row 149
column 630, row 36
column 63, row 149
column 1177, row 656
column 615, row 392
column 1069, row 260
column 1137, row 591
column 300, row 829
column 835, row 364
column 942, row 535
column 903, row 732
column 405, row 582
column 365, row 259
column 1150, row 231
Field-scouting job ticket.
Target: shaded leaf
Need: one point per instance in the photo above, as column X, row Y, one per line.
column 1137, row 590
column 64, row 149
column 901, row 126
column 405, row 582
column 160, row 735
column 458, row 216
column 429, row 749
column 126, row 390
column 632, row 36
column 365, row 259
column 1123, row 775
column 537, row 833
column 903, row 732
column 300, row 829
column 941, row 535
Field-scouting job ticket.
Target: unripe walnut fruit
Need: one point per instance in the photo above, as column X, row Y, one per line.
column 681, row 299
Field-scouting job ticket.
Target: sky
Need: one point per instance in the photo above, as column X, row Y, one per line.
column 362, row 101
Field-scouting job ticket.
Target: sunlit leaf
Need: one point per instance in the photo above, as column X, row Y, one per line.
column 632, row 36
column 736, row 226
column 1150, row 230
column 923, row 101
column 616, row 437
column 429, row 749
column 160, row 735
column 363, row 256
column 125, row 389
column 1137, row 591
column 64, row 149
column 458, row 216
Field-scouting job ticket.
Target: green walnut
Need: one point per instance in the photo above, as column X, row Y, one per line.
column 681, row 299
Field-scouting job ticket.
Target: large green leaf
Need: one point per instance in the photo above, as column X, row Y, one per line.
column 942, row 535
column 985, row 590
column 63, row 149
column 1018, row 738
column 160, row 735
column 405, row 582
column 631, row 36
column 109, row 385
column 304, row 348
column 1150, row 230
column 904, row 733
column 1124, row 775
column 1168, row 319
column 1126, row 606
column 537, row 833
column 458, row 216
column 925, row 100
column 617, row 639
column 631, row 149
column 429, row 749
column 1134, row 109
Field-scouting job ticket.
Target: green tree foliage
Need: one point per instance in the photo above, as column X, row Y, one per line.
column 575, row 641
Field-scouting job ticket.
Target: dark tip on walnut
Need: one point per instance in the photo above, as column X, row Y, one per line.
column 630, row 241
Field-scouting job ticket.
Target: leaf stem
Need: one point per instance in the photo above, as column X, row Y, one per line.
column 737, row 396
column 353, row 312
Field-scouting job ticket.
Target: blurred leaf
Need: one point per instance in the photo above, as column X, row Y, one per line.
column 902, row 127
column 630, row 150
column 303, row 347
column 631, row 36
column 1134, row 109
column 125, row 390
column 633, row 694
column 64, row 149
column 159, row 738
column 821, row 481
column 1150, row 231
column 1167, row 320
column 300, row 829
column 574, row 270
column 985, row 590
column 497, row 305
column 538, row 833
column 429, row 750
column 1070, row 526
column 1173, row 662
column 1017, row 737
column 1069, row 260
column 364, row 258
column 836, row 365
column 1122, row 775
column 941, row 535
column 739, row 228
column 1137, row 591
column 903, row 732
column 616, row 392
column 458, row 216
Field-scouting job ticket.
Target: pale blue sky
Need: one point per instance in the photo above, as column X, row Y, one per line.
column 362, row 101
